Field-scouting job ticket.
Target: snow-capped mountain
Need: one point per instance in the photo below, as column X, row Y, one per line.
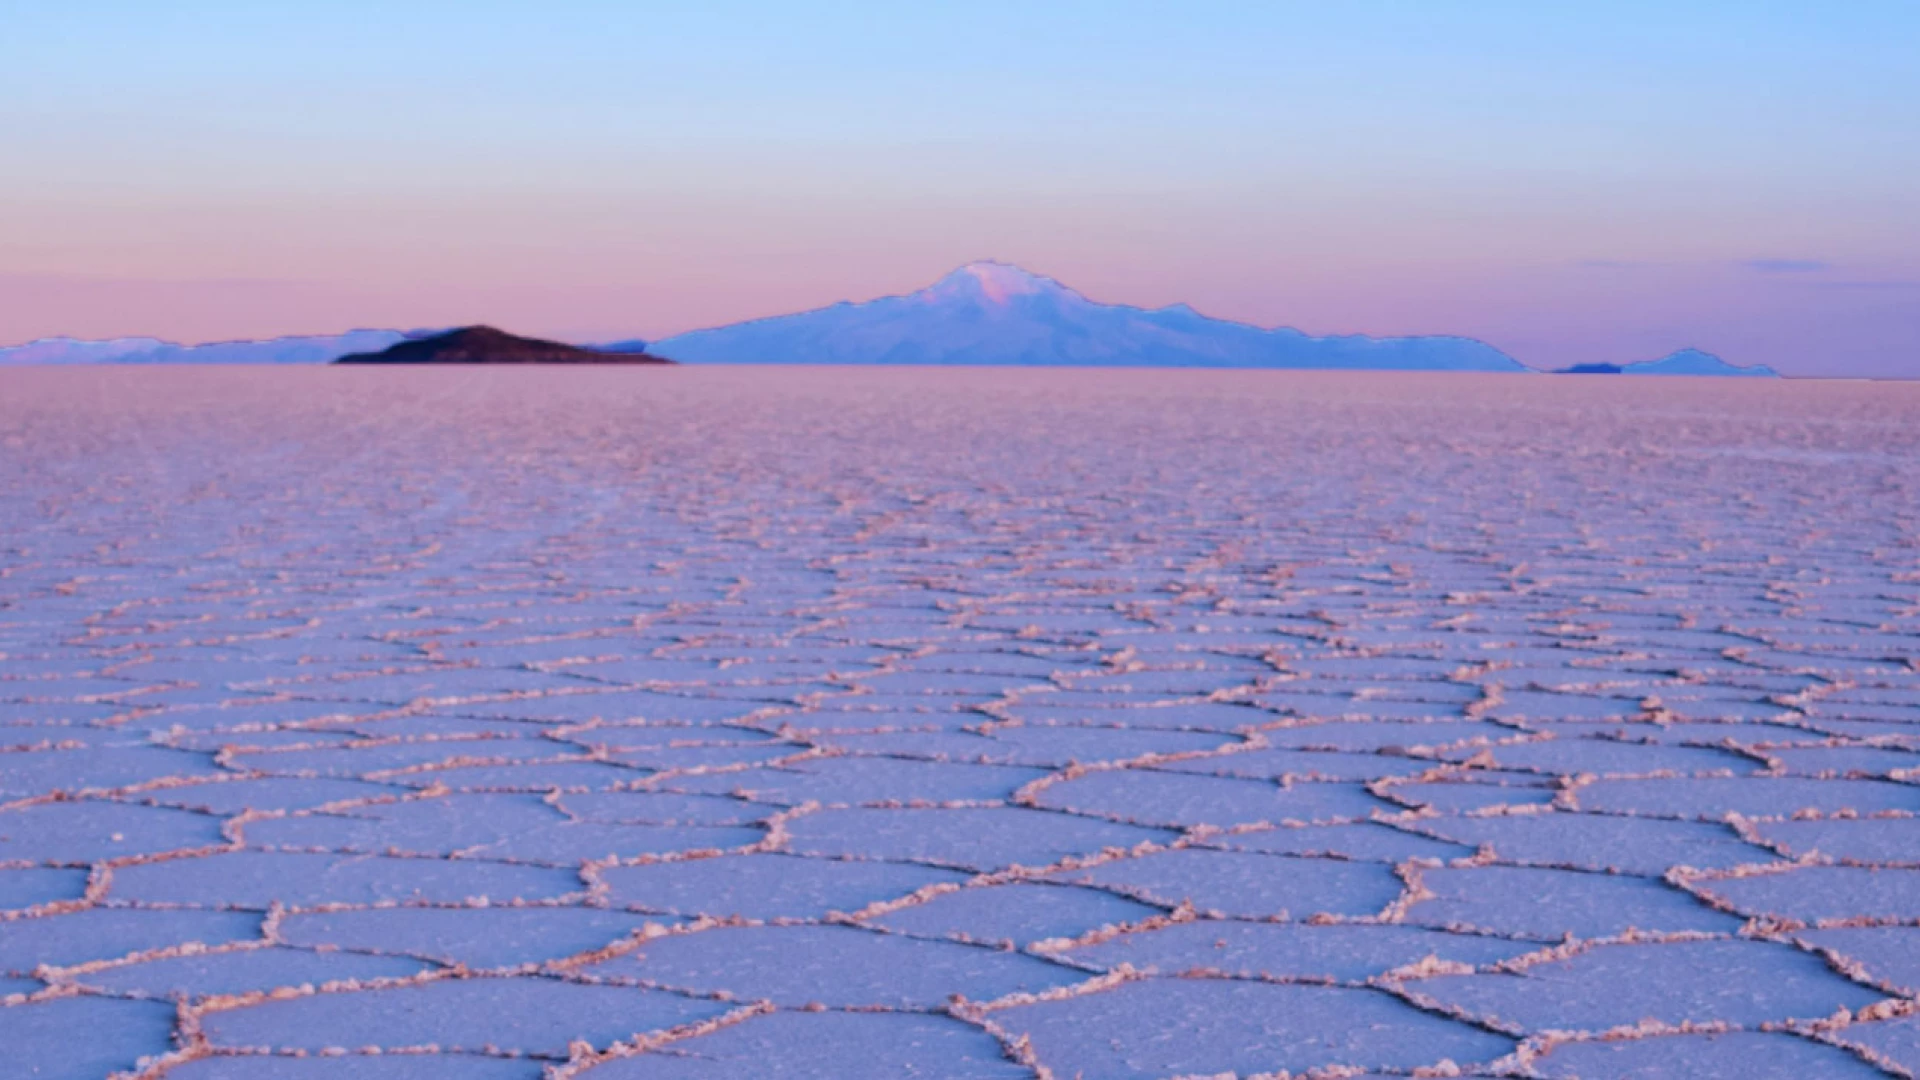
column 306, row 349
column 1684, row 362
column 993, row 313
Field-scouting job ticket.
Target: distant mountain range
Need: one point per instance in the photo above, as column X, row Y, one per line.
column 306, row 349
column 985, row 313
column 486, row 345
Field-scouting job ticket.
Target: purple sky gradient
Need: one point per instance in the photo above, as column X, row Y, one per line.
column 1599, row 182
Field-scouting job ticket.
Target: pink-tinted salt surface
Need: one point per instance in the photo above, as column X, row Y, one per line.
column 809, row 722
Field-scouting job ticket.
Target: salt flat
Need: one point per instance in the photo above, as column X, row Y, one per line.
column 811, row 722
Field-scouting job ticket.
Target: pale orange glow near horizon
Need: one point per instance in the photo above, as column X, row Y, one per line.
column 1569, row 185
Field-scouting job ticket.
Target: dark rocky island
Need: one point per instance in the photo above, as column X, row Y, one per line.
column 485, row 345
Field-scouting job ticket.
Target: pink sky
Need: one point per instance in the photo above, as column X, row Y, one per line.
column 584, row 287
column 1571, row 183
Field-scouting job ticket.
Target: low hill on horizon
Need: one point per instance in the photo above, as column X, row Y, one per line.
column 487, row 345
column 1682, row 362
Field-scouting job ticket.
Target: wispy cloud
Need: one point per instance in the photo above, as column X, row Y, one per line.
column 1786, row 266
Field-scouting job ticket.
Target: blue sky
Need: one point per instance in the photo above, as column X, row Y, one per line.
column 1573, row 182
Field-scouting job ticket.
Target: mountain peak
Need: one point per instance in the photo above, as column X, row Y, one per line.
column 996, row 313
column 991, row 282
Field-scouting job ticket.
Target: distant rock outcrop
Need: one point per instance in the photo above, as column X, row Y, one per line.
column 486, row 345
column 1684, row 362
column 993, row 313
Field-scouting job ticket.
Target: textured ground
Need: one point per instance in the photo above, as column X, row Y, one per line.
column 719, row 723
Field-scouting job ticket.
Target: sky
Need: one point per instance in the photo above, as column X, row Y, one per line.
column 1573, row 182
